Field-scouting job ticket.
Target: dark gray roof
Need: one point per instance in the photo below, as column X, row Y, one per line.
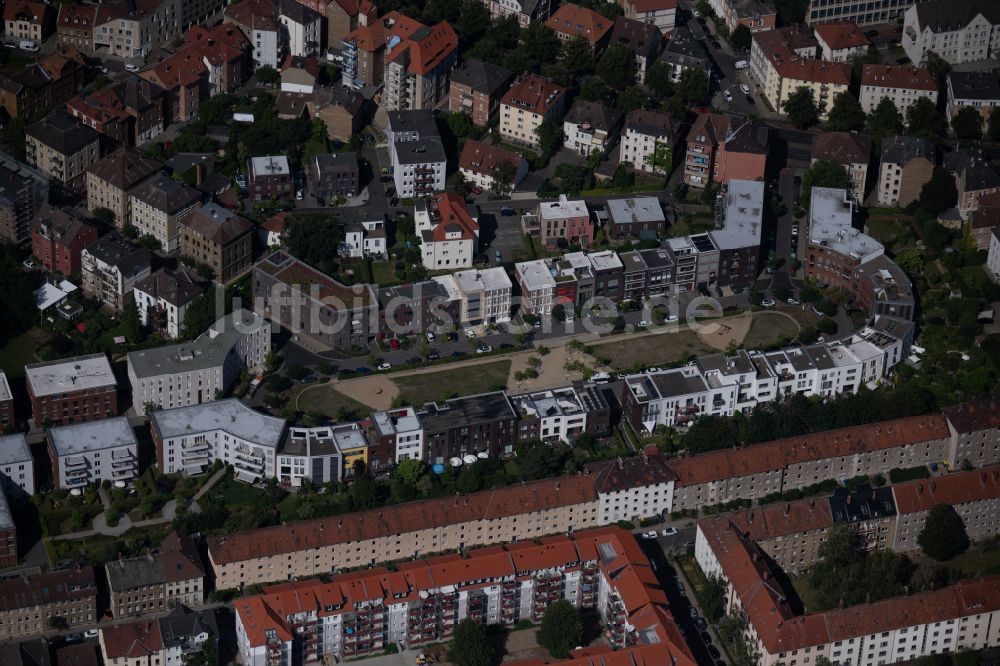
column 864, row 503
column 35, row 652
column 482, row 76
column 183, row 624
column 945, row 15
column 114, row 250
column 164, row 193
column 124, row 168
column 299, row 12
column 420, row 152
column 63, row 133
column 683, row 49
column 420, row 291
column 176, row 287
column 974, row 85
column 472, row 409
column 337, row 162
column 420, row 121
column 599, row 116
column 657, row 258
column 749, row 137
column 641, row 37
column 903, row 149
column 653, row 123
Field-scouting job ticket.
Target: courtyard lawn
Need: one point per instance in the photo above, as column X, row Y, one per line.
column 21, row 351
column 229, row 492
column 894, row 232
column 384, row 273
column 325, row 399
column 635, row 352
column 768, row 329
column 423, row 387
column 980, row 560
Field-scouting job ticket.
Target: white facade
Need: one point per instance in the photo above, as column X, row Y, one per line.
column 449, row 234
column 663, row 14
column 303, row 38
column 872, row 94
column 91, row 452
column 993, row 257
column 956, row 41
column 403, row 424
column 638, row 148
column 538, row 286
column 190, row 439
column 266, row 48
column 174, row 313
column 17, row 467
column 484, row 295
column 364, row 239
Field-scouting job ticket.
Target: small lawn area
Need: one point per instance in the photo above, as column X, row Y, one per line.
column 432, row 386
column 768, row 329
column 384, row 273
column 980, row 560
column 230, row 492
column 806, row 593
column 894, row 232
column 61, row 513
column 636, row 352
column 327, row 400
column 101, row 549
column 21, row 351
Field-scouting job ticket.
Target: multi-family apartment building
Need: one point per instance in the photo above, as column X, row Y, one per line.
column 72, row 390
column 270, row 178
column 110, row 179
column 907, row 163
column 972, row 426
column 25, row 189
column 62, row 148
column 24, row 20
column 978, row 90
column 93, row 452
column 8, row 534
column 418, row 68
column 162, row 299
column 159, row 205
column 333, row 175
column 572, row 21
column 974, row 495
column 132, row 30
column 258, row 20
column 565, row 222
column 476, row 88
column 6, row 404
column 28, row 602
column 482, row 296
column 111, row 267
column 835, row 249
column 17, row 467
column 574, row 281
column 190, row 439
column 590, row 127
column 156, row 582
column 33, row 90
column 983, row 219
column 756, row 15
column 365, row 50
column 364, row 234
column 448, row 232
column 635, row 217
column 175, row 638
column 200, row 371
column 902, row 84
column 416, row 153
column 878, row 12
column 649, row 141
column 643, row 39
column 525, row 11
column 975, row 178
column 660, row 13
column 647, row 273
column 457, row 428
column 130, row 111
column 723, row 147
column 841, row 41
column 779, row 70
column 530, row 101
column 344, row 16
column 958, row 32
column 75, row 26
column 304, row 27
column 479, row 161
column 683, row 52
column 850, row 150
column 395, row 435
column 341, row 109
column 561, row 415
column 219, row 238
column 313, row 305
column 58, row 238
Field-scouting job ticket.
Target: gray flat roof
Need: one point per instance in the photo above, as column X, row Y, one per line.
column 744, row 205
column 71, row 374
column 635, row 209
column 830, row 214
column 535, row 274
column 92, row 436
column 230, row 415
column 14, row 449
column 270, row 165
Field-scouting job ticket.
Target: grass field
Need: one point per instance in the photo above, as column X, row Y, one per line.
column 768, row 329
column 664, row 349
column 894, row 234
column 327, row 400
column 431, row 386
column 19, row 351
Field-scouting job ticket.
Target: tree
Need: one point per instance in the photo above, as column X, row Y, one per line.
column 315, row 239
column 460, row 125
column 937, row 66
column 617, row 66
column 410, row 471
column 19, row 312
column 105, row 216
column 132, row 322
column 206, row 656
column 503, row 178
column 549, row 135
column 58, row 622
column 150, row 242
column 924, row 120
column 939, row 193
column 944, row 535
column 800, row 107
column 539, row 45
column 823, row 173
column 470, row 645
column 692, row 86
column 846, row 115
column 741, row 38
column 577, row 58
column 659, row 79
column 713, row 597
column 268, row 75
column 884, row 120
column 593, row 89
column 456, row 183
column 967, row 124
column 200, row 313
column 561, row 630
column 993, row 130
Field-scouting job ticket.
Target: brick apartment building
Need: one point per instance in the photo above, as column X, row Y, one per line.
column 219, row 238
column 270, row 178
column 73, row 390
column 476, row 88
column 28, row 602
column 58, row 239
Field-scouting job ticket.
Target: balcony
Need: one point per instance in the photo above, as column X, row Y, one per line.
column 122, row 474
column 75, row 462
column 120, row 464
column 195, row 446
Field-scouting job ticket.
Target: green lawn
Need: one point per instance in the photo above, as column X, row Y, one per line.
column 894, row 234
column 768, row 329
column 384, row 273
column 230, row 492
column 431, row 386
column 980, row 560
column 806, row 593
column 325, row 399
column 631, row 352
column 20, row 351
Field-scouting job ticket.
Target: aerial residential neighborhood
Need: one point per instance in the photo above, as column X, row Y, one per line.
column 481, row 332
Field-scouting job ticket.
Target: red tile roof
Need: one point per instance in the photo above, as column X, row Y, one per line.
column 375, row 35
column 898, row 76
column 841, row 35
column 32, row 12
column 789, row 65
column 640, row 6
column 131, row 641
column 453, row 215
column 428, row 49
column 972, row 416
column 534, row 93
column 957, row 488
column 481, row 157
column 577, row 21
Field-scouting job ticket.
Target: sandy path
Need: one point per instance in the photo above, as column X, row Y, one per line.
column 377, row 391
column 721, row 332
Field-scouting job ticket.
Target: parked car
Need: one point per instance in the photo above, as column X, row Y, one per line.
column 695, row 13
column 129, row 67
column 90, row 633
column 693, row 611
column 670, row 531
column 429, row 336
column 701, row 624
column 649, row 535
column 673, row 318
column 507, row 211
column 73, row 638
column 29, row 264
column 643, row 324
column 485, row 349
column 792, row 301
column 469, row 333
column 727, row 95
column 434, row 356
column 27, row 45
column 745, row 88
column 385, row 365
column 768, row 302
column 497, row 255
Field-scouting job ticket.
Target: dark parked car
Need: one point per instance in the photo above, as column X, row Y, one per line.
column 507, row 211
column 434, row 356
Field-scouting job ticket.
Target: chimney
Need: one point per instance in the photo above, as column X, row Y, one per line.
column 788, row 508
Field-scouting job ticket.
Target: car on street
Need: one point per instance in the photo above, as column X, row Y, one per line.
column 385, row 365
column 792, row 301
column 649, row 535
column 745, row 88
column 768, row 302
column 643, row 324
column 485, row 349
column 32, row 47
column 497, row 255
column 73, row 638
column 101, row 68
column 430, row 336
column 795, row 230
column 693, row 612
column 670, row 531
column 713, row 652
column 695, row 13
column 91, row 633
column 469, row 333
column 507, row 211
column 434, row 356
column 701, row 624
column 688, row 544
column 29, row 264
column 129, row 67
column 672, row 319
column 653, row 369
column 727, row 95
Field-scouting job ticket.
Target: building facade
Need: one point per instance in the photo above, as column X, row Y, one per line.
column 73, row 390
column 93, row 452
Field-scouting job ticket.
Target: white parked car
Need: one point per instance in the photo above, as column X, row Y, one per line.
column 90, row 633
column 644, row 324
column 727, row 95
column 673, row 318
column 792, row 301
column 26, row 45
column 485, row 349
column 469, row 333
column 430, row 336
column 670, row 531
column 745, row 88
column 129, row 67
column 568, row 318
column 298, row 195
column 649, row 535
column 384, row 365
column 695, row 13
column 768, row 302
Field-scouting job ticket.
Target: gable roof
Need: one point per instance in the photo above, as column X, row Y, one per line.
column 576, row 21
column 131, row 641
column 844, row 148
column 480, row 157
column 125, row 168
column 841, row 35
column 481, row 76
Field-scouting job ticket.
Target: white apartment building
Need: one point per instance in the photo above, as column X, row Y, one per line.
column 190, row 439
column 91, row 452
column 303, row 25
column 416, row 153
column 661, row 13
column 159, row 205
column 17, row 467
column 634, row 488
column 993, row 257
column 525, row 11
column 402, row 426
column 590, row 127
column 529, row 101
column 315, row 454
column 483, row 295
column 902, row 84
column 557, row 415
column 841, row 41
column 958, row 31
column 163, row 297
column 448, row 232
column 647, row 141
column 364, row 237
column 538, row 286
column 199, row 371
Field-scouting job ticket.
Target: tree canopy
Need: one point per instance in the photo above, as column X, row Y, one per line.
column 924, row 120
column 692, row 86
column 884, row 120
column 18, row 294
column 845, row 576
column 561, row 630
column 823, row 173
column 470, row 645
column 939, row 193
column 800, row 107
column 741, row 38
column 846, row 115
column 944, row 535
column 967, row 124
column 617, row 66
column 315, row 239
